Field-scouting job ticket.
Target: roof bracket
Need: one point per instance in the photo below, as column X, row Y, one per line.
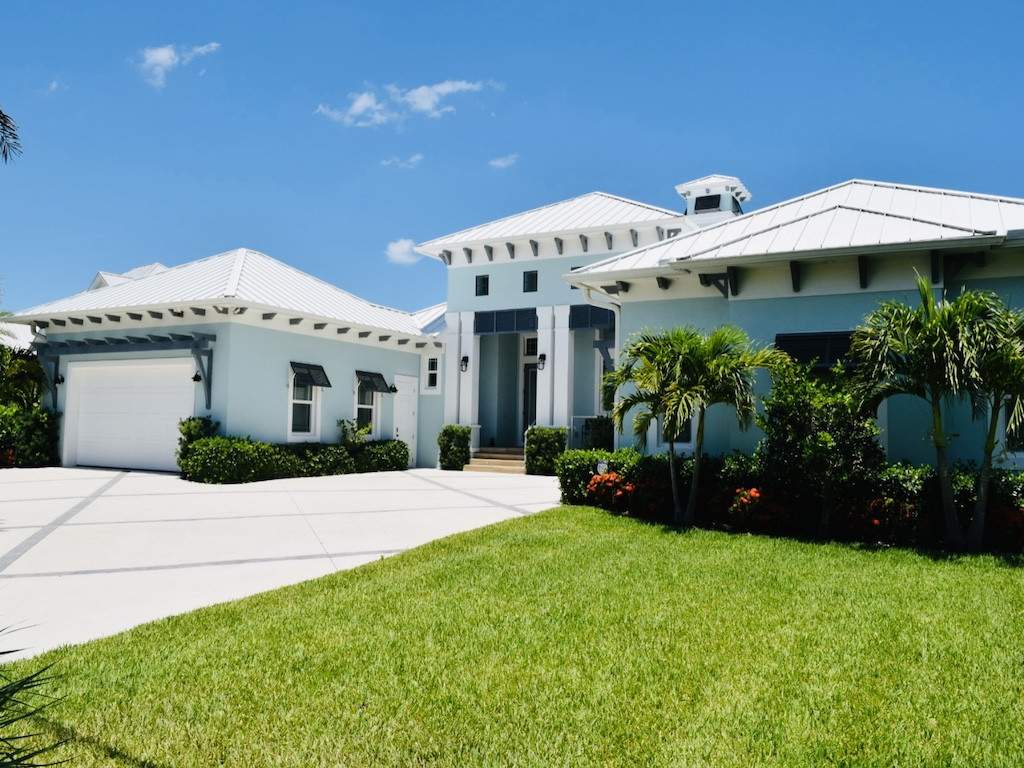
column 733, row 278
column 511, row 248
column 489, row 250
column 608, row 240
column 936, row 259
column 535, row 247
column 957, row 261
column 718, row 280
column 862, row 271
column 663, row 282
column 204, row 364
column 584, row 243
column 661, row 232
column 794, row 275
column 559, row 245
column 468, row 253
column 622, row 285
column 634, row 236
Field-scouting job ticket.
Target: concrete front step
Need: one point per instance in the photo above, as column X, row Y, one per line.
column 492, row 462
column 502, row 467
column 498, row 456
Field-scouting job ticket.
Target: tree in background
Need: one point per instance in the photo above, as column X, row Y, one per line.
column 675, row 377
column 10, row 142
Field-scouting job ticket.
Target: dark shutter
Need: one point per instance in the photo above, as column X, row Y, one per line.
column 375, row 381
column 308, row 373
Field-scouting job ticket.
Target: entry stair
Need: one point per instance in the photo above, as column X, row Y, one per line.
column 508, row 461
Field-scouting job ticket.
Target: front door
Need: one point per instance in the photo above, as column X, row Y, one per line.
column 405, row 412
column 529, row 395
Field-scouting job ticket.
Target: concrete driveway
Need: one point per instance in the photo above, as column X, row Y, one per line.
column 86, row 553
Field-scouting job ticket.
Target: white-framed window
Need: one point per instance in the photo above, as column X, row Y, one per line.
column 303, row 410
column 431, row 379
column 367, row 408
column 1013, row 444
column 683, row 443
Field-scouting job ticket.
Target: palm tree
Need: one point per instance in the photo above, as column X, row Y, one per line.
column 999, row 390
column 931, row 352
column 10, row 144
column 676, row 376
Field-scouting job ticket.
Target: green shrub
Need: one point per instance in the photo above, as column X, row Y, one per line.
column 575, row 468
column 382, row 456
column 543, row 446
column 598, row 432
column 453, row 446
column 320, row 459
column 237, row 460
column 610, row 491
column 22, row 381
column 28, row 436
column 896, row 510
column 192, row 429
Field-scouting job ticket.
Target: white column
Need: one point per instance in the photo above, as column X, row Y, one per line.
column 545, row 346
column 469, row 381
column 452, row 355
column 561, row 411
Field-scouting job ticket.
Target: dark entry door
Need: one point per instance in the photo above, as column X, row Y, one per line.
column 529, row 395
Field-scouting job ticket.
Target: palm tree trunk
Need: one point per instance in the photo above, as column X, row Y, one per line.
column 954, row 535
column 677, row 507
column 698, row 455
column 976, row 531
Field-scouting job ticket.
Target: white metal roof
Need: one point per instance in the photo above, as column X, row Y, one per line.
column 426, row 319
column 15, row 335
column 243, row 276
column 104, row 278
column 594, row 209
column 855, row 214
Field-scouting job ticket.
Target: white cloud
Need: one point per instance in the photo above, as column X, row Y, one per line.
column 410, row 162
column 366, row 109
column 401, row 252
column 503, row 162
column 363, row 111
column 156, row 62
column 54, row 86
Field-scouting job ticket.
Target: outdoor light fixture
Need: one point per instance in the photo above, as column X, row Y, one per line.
column 393, row 389
column 59, row 380
column 542, row 360
column 464, row 363
column 197, row 377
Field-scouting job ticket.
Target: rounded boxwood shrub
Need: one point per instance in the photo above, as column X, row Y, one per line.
column 382, row 456
column 453, row 446
column 192, row 429
column 237, row 460
column 543, row 446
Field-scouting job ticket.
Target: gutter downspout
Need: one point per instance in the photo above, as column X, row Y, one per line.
column 616, row 310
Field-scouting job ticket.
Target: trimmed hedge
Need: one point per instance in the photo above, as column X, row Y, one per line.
column 453, row 446
column 318, row 459
column 28, row 437
column 382, row 456
column 237, row 460
column 575, row 468
column 192, row 429
column 543, row 446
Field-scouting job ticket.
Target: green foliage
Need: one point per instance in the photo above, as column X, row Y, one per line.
column 543, row 446
column 320, row 459
column 22, row 381
column 237, row 460
column 28, row 437
column 453, row 446
column 576, row 467
column 382, row 456
column 599, row 432
column 21, row 701
column 192, row 429
column 352, row 436
column 610, row 491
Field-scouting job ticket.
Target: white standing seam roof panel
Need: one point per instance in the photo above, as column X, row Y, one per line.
column 246, row 277
column 594, row 209
column 852, row 214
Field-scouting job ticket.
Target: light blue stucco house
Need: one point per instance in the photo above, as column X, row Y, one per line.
column 538, row 305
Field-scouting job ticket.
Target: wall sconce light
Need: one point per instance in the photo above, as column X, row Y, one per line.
column 464, row 363
column 392, row 389
column 542, row 360
column 59, row 380
column 197, row 377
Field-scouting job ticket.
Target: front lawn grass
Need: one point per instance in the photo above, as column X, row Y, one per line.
column 574, row 638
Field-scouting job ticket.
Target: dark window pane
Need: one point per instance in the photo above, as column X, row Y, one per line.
column 303, row 389
column 483, row 285
column 364, row 417
column 432, row 364
column 505, row 321
column 526, row 320
column 531, row 346
column 826, row 349
column 530, row 281
column 302, row 420
column 483, row 322
column 684, row 436
column 365, row 396
column 707, row 203
column 432, row 380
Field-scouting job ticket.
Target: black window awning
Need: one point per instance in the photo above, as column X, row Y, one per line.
column 308, row 373
column 375, row 381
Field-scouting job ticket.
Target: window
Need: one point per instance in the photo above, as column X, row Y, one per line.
column 823, row 349
column 366, row 407
column 530, row 348
column 303, row 418
column 707, row 203
column 431, row 368
column 685, row 438
column 530, row 281
column 483, row 285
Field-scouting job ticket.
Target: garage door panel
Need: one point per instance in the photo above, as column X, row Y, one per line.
column 127, row 413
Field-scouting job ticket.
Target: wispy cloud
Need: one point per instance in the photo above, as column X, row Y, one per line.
column 155, row 63
column 401, row 252
column 503, row 162
column 54, row 86
column 365, row 109
column 397, row 162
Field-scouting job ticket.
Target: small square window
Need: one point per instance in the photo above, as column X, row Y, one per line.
column 483, row 285
column 432, row 365
column 530, row 281
column 530, row 349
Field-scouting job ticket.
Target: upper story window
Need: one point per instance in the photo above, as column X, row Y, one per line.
column 707, row 203
column 430, row 381
column 530, row 346
column 483, row 285
column 530, row 281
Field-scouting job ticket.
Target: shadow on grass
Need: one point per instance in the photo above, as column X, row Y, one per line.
column 1013, row 560
column 69, row 736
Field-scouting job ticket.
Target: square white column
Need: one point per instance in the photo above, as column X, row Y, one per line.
column 452, row 355
column 469, row 381
column 545, row 346
column 561, row 410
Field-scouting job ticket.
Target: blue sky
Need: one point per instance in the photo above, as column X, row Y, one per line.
column 321, row 132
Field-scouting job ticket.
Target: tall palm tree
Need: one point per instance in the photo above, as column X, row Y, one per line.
column 676, row 376
column 932, row 352
column 998, row 392
column 10, row 143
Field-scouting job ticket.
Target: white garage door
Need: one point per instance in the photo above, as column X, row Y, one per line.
column 126, row 413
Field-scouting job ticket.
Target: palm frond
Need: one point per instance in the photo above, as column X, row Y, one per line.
column 10, row 142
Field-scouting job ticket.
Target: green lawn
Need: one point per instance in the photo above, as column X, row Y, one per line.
column 575, row 638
